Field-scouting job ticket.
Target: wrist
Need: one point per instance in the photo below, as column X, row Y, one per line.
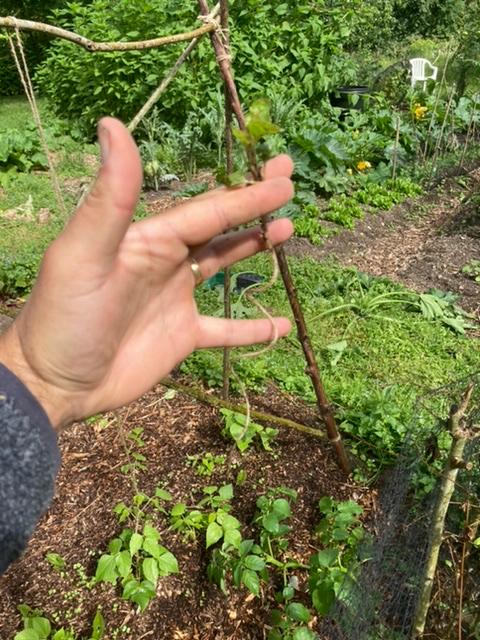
column 50, row 397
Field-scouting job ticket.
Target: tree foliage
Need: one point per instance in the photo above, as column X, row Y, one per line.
column 300, row 48
column 35, row 43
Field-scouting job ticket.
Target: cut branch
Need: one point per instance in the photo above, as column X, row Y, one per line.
column 220, row 403
column 92, row 46
column 170, row 75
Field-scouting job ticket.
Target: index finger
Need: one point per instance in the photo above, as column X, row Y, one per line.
column 196, row 222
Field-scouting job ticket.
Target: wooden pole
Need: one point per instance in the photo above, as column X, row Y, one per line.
column 92, row 46
column 227, row 302
column 455, row 462
column 325, row 408
column 220, row 403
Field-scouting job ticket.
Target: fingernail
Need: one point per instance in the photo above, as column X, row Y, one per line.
column 104, row 140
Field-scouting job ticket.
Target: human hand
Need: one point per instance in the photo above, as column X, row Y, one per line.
column 112, row 310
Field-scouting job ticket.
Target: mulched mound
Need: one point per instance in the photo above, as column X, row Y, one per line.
column 80, row 522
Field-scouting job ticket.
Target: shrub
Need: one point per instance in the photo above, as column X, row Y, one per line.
column 296, row 47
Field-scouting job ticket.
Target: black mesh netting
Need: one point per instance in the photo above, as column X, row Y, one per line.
column 381, row 601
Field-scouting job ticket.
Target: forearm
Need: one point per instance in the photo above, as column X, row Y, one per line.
column 29, row 461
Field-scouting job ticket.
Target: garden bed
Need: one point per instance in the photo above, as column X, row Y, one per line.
column 80, row 523
column 423, row 243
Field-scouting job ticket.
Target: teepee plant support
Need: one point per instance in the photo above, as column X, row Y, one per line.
column 218, row 32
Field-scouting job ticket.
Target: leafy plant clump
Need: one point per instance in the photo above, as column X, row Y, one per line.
column 472, row 270
column 38, row 627
column 137, row 561
column 245, row 433
column 339, row 532
column 21, row 150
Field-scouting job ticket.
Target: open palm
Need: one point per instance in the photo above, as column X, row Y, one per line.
column 113, row 310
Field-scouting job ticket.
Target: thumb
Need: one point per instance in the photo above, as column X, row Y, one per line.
column 101, row 221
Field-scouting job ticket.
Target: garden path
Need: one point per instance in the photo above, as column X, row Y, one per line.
column 423, row 243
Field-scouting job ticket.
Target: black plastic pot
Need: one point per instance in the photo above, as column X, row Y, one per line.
column 245, row 280
column 350, row 97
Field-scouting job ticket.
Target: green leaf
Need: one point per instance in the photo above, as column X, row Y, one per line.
column 27, row 634
column 139, row 593
column 326, row 505
column 323, row 596
column 107, row 569
column 136, row 542
column 124, row 563
column 251, row 581
column 98, row 626
column 232, row 538
column 152, row 547
column 214, row 533
column 150, row 532
column 255, row 563
column 281, row 508
column 296, row 611
column 245, row 547
column 303, row 633
column 271, row 523
column 115, row 545
column 167, row 564
column 235, row 179
column 178, row 510
column 162, row 494
column 227, row 521
column 56, row 561
column 327, row 557
column 150, row 570
column 226, row 492
column 40, row 625
column 244, row 138
column 258, row 129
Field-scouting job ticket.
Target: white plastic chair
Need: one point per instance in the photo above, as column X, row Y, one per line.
column 419, row 71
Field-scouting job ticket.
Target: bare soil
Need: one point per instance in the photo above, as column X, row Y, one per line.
column 423, row 243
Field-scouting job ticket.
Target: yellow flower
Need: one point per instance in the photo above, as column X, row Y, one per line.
column 363, row 165
column 420, row 111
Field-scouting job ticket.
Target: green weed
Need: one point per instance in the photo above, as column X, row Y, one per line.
column 245, row 434
column 339, row 533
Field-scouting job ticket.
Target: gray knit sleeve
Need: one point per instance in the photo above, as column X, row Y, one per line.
column 29, row 461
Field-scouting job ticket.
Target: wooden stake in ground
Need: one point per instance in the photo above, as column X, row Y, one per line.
column 325, row 409
column 455, row 462
column 227, row 302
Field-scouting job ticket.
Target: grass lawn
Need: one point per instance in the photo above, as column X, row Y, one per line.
column 26, row 195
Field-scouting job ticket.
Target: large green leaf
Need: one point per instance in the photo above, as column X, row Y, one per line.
column 150, row 570
column 214, row 533
column 107, row 569
column 167, row 564
column 251, row 581
column 298, row 612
